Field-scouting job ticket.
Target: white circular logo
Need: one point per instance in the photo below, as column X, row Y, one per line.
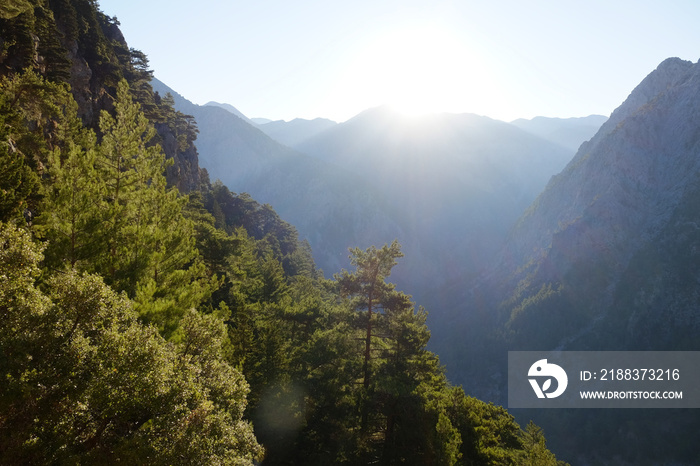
column 545, row 371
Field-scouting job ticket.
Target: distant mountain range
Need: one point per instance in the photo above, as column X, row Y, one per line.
column 228, row 107
column 458, row 180
column 568, row 132
column 294, row 132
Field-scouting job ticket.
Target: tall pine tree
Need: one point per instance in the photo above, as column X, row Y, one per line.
column 70, row 217
column 399, row 377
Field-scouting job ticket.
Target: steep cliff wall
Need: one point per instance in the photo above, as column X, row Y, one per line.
column 72, row 41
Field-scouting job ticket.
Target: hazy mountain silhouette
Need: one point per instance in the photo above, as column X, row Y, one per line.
column 331, row 207
column 229, row 108
column 458, row 181
column 296, row 131
column 568, row 132
column 260, row 121
column 288, row 133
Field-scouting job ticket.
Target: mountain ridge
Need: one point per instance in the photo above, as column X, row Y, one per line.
column 294, row 132
column 450, row 173
column 604, row 259
column 647, row 141
column 568, row 132
column 229, row 108
column 302, row 189
column 429, row 191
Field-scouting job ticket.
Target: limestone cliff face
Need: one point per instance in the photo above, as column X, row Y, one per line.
column 622, row 186
column 184, row 173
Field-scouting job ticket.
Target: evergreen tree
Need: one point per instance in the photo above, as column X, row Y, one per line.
column 19, row 184
column 126, row 165
column 151, row 247
column 84, row 382
column 399, row 377
column 370, row 294
column 70, row 217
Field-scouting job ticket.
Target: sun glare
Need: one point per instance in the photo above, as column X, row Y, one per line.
column 419, row 70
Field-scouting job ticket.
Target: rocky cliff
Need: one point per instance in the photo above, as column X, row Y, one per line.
column 71, row 41
column 606, row 258
column 615, row 196
column 622, row 185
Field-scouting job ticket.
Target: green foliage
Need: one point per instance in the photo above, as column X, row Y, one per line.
column 69, row 219
column 19, row 184
column 369, row 294
column 398, row 376
column 37, row 118
column 183, row 126
column 108, row 210
column 126, row 167
column 535, row 447
column 12, row 8
column 84, row 381
column 31, row 40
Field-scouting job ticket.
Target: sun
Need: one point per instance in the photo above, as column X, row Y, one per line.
column 417, row 70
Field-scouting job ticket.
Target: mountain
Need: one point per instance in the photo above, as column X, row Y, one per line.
column 604, row 259
column 229, row 108
column 618, row 194
column 260, row 121
column 331, row 207
column 291, row 133
column 72, row 42
column 568, row 132
column 458, row 180
column 288, row 133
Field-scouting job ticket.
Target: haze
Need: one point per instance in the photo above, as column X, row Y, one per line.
column 502, row 59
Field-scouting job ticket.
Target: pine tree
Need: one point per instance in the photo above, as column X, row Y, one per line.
column 70, row 217
column 150, row 246
column 126, row 164
column 36, row 118
column 369, row 293
column 19, row 184
column 399, row 377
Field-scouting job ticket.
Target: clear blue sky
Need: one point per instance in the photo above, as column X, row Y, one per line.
column 506, row 59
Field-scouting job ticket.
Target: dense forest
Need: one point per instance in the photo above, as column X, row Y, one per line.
column 150, row 316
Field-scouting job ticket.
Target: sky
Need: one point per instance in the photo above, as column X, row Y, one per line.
column 505, row 59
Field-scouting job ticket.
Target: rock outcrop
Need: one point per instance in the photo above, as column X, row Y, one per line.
column 69, row 41
column 622, row 185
